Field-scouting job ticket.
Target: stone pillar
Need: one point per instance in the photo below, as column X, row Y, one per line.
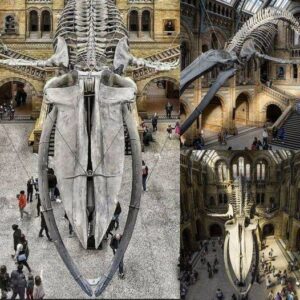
column 36, row 103
column 39, row 24
column 27, row 24
column 140, row 34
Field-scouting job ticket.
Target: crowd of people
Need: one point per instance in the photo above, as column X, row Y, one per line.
column 7, row 110
column 16, row 282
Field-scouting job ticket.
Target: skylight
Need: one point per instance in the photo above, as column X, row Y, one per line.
column 279, row 3
column 253, row 6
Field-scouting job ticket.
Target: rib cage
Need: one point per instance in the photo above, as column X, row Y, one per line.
column 241, row 199
column 261, row 28
column 92, row 29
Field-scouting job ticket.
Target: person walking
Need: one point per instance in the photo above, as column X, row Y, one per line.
column 70, row 225
column 52, row 182
column 18, row 283
column 21, row 257
column 265, row 137
column 44, row 227
column 16, row 235
column 4, row 282
column 169, row 130
column 145, row 175
column 30, row 183
column 22, row 204
column 154, row 122
column 219, row 294
column 114, row 244
column 38, row 291
column 29, row 287
column 117, row 214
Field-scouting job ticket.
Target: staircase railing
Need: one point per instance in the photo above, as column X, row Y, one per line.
column 285, row 99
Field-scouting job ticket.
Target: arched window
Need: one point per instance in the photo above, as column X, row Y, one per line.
column 241, row 168
column 46, row 21
column 261, row 171
column 133, row 21
column 33, row 21
column 260, row 198
column 10, row 25
column 223, row 199
column 222, row 172
column 146, row 21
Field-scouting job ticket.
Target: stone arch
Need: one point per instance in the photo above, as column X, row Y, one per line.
column 273, row 111
column 215, row 230
column 46, row 20
column 268, row 229
column 156, row 79
column 32, row 89
column 212, row 117
column 33, row 19
column 241, row 113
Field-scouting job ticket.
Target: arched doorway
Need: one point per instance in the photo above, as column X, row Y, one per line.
column 241, row 111
column 17, row 94
column 133, row 23
column 199, row 233
column 212, row 116
column 46, row 22
column 158, row 94
column 186, row 239
column 215, row 230
column 146, row 22
column 33, row 21
column 273, row 113
column 298, row 240
column 268, row 230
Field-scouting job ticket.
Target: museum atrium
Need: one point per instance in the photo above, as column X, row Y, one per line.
column 262, row 93
column 273, row 182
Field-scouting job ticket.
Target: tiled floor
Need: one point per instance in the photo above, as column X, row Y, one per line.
column 152, row 256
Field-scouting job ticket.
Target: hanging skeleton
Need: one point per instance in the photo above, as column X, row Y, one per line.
column 254, row 39
column 240, row 246
column 91, row 100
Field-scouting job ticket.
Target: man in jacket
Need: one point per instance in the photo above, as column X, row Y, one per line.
column 18, row 283
column 16, row 235
column 30, row 183
column 4, row 282
column 114, row 244
column 44, row 227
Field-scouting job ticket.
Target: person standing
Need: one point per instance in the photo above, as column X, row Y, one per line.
column 38, row 291
column 18, row 282
column 30, row 183
column 21, row 257
column 117, row 214
column 4, row 282
column 29, row 287
column 114, row 244
column 169, row 131
column 265, row 137
column 145, row 176
column 154, row 122
column 44, row 227
column 22, row 204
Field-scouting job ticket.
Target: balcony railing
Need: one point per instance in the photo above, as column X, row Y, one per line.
column 39, row 1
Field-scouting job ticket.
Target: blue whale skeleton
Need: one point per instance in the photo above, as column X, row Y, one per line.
column 90, row 102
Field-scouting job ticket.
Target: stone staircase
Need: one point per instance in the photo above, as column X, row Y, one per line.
column 169, row 55
column 292, row 131
column 33, row 72
column 278, row 94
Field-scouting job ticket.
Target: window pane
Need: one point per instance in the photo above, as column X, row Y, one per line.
column 224, row 172
column 248, row 172
column 234, row 171
column 258, row 172
column 263, row 171
column 241, row 166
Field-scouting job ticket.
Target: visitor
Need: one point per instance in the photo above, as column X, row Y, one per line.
column 278, row 296
column 265, row 137
column 111, row 227
column 114, row 244
column 22, row 204
column 117, row 214
column 29, row 287
column 254, row 144
column 169, row 109
column 44, row 227
column 57, row 194
column 16, row 235
column 258, row 145
column 30, row 183
column 38, row 291
column 11, row 113
column 4, row 282
column 169, row 131
column 52, row 182
column 145, row 171
column 177, row 129
column 219, row 294
column 154, row 122
column 21, row 257
column 274, row 133
column 38, row 204
column 281, row 134
column 270, row 295
column 18, row 283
